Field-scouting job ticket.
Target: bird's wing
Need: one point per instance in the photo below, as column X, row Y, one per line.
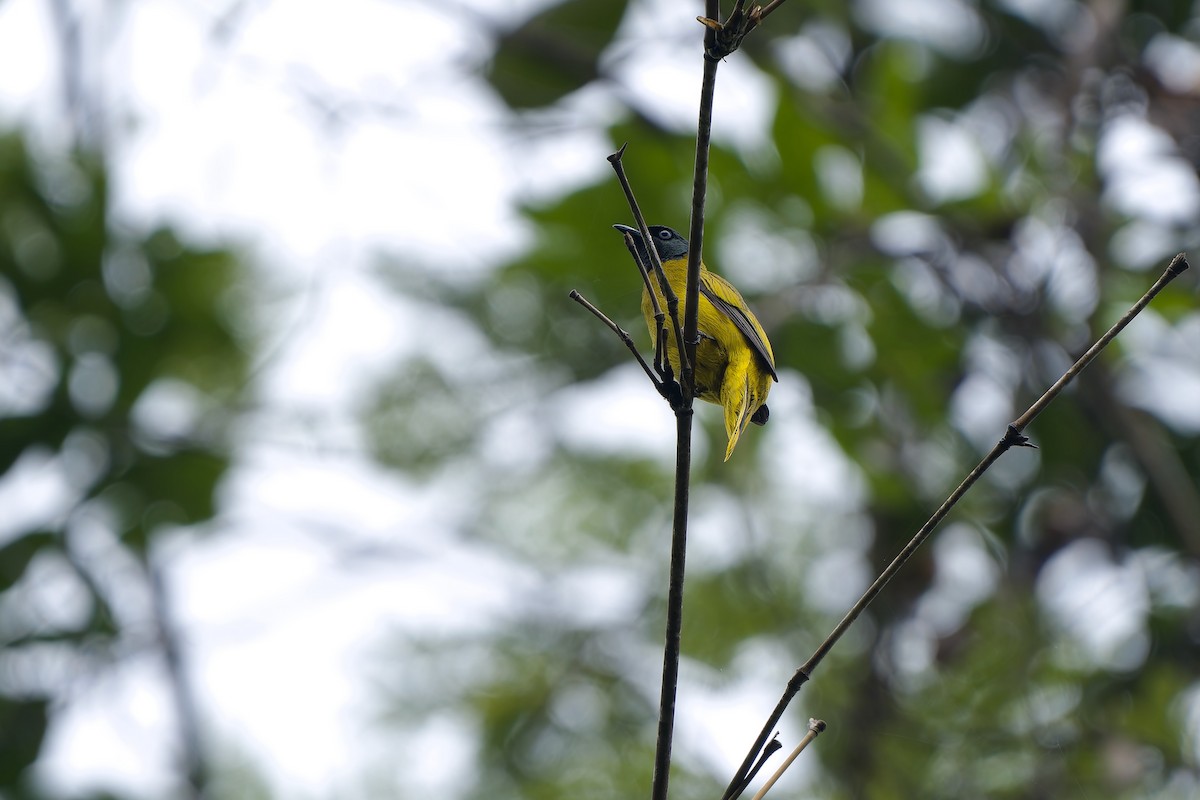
column 744, row 322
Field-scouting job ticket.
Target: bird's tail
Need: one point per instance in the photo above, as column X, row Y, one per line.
column 736, row 400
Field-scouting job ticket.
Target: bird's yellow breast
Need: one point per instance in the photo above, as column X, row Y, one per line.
column 731, row 370
column 717, row 335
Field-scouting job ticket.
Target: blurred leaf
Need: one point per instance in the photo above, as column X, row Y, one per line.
column 16, row 555
column 555, row 52
column 176, row 488
column 94, row 314
column 22, row 728
column 421, row 419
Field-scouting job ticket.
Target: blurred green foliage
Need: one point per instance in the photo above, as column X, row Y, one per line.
column 119, row 375
column 553, row 53
column 913, row 313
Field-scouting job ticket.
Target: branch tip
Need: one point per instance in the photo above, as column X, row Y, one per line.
column 1178, row 264
column 815, row 727
column 771, row 748
column 615, row 158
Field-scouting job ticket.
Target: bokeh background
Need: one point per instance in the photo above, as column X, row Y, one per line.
column 316, row 485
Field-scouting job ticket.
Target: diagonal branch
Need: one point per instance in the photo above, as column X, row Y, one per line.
column 624, row 336
column 654, row 266
column 1013, row 436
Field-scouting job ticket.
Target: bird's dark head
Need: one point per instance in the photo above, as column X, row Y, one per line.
column 669, row 244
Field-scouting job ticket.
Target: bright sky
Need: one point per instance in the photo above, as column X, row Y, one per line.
column 239, row 135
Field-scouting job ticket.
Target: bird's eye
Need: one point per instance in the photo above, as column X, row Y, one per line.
column 664, row 235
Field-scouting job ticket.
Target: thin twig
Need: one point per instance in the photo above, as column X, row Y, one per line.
column 662, row 363
column 623, row 335
column 1013, row 436
column 1175, row 269
column 644, row 271
column 772, row 747
column 655, row 264
column 815, row 728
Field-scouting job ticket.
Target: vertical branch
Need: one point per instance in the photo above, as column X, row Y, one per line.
column 708, row 87
column 683, row 425
column 672, row 642
column 691, row 307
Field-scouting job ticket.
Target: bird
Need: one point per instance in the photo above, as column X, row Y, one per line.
column 734, row 363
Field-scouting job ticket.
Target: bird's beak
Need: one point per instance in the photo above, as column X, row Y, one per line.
column 634, row 232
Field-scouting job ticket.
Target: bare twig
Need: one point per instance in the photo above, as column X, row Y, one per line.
column 1175, row 269
column 662, row 362
column 815, row 728
column 1013, row 436
column 772, row 747
column 624, row 337
column 655, row 266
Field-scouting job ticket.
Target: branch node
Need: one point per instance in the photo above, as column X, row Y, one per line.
column 728, row 35
column 1014, row 438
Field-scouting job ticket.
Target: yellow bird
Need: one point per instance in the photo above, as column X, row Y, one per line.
column 734, row 363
